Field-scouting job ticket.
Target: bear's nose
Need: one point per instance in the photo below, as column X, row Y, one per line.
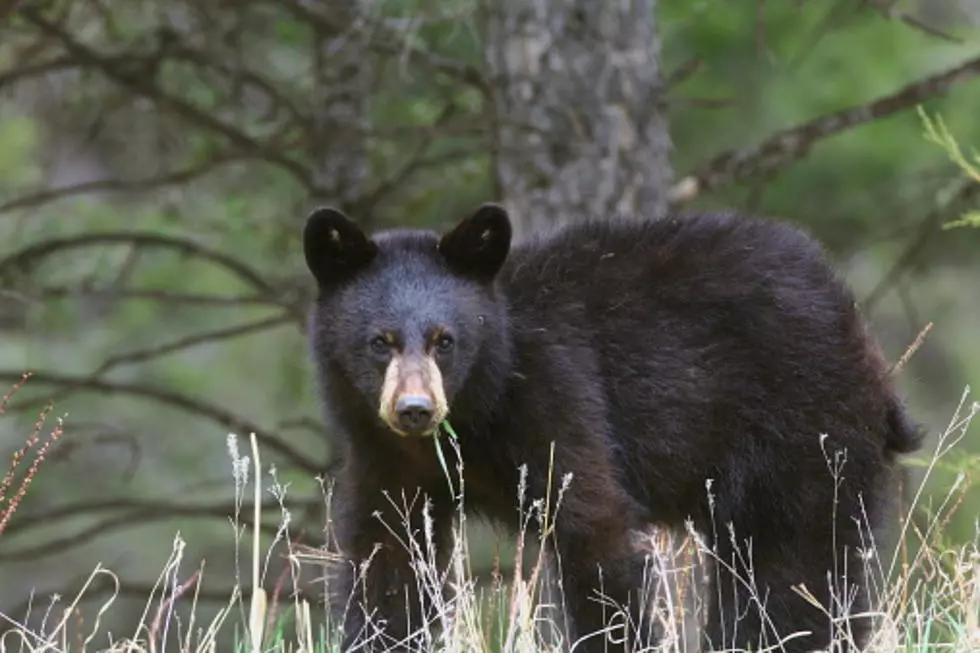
column 414, row 413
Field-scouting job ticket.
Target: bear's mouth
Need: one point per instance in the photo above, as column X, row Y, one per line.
column 413, row 400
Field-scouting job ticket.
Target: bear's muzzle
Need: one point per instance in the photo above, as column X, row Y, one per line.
column 413, row 400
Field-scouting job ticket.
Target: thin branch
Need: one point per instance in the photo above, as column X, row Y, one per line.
column 155, row 508
column 682, row 73
column 214, row 335
column 101, row 435
column 240, row 74
column 164, row 296
column 20, row 72
column 140, row 85
column 929, row 228
column 785, row 147
column 830, row 21
column 417, row 162
column 389, row 42
column 173, row 178
column 37, row 550
column 30, row 255
column 221, row 416
column 887, row 9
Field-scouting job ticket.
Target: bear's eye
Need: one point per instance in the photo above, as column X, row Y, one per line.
column 379, row 345
column 444, row 343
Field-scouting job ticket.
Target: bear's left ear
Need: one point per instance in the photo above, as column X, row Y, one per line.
column 335, row 247
column 477, row 247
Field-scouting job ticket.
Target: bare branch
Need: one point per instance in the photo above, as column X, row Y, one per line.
column 241, row 74
column 25, row 258
column 163, row 296
column 21, row 72
column 154, row 509
column 682, row 73
column 928, row 228
column 221, row 416
column 214, row 335
column 390, row 42
column 787, row 146
column 142, row 86
column 54, row 546
column 887, row 9
column 117, row 185
column 416, row 162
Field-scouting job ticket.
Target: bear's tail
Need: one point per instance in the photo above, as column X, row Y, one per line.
column 904, row 435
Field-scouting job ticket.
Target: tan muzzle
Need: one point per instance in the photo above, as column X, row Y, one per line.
column 413, row 400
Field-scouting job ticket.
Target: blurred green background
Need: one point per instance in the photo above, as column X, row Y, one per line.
column 207, row 129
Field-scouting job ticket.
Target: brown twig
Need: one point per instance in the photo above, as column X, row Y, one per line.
column 914, row 347
column 13, row 502
column 5, row 401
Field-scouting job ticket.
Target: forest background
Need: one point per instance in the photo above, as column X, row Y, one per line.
column 157, row 160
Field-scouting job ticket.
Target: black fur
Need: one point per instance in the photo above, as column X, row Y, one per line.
column 657, row 355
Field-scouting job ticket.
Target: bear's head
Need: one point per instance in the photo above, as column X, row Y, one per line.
column 406, row 319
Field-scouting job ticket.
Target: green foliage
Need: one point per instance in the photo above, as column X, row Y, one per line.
column 938, row 133
column 18, row 141
column 764, row 67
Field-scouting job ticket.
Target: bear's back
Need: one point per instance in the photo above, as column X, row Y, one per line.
column 723, row 331
column 700, row 274
column 687, row 258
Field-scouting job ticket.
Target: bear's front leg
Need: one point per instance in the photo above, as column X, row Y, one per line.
column 601, row 567
column 376, row 596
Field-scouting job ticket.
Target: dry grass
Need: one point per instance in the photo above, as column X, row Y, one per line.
column 928, row 592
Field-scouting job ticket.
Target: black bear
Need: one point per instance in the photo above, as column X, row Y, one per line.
column 710, row 368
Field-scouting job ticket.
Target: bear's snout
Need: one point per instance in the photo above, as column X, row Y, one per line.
column 413, row 400
column 414, row 414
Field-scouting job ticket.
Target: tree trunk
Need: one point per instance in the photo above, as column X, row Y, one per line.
column 576, row 93
column 343, row 74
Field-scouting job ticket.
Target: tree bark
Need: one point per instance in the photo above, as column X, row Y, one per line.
column 343, row 76
column 578, row 122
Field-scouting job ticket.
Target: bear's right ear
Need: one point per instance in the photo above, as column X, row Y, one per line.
column 335, row 247
column 477, row 247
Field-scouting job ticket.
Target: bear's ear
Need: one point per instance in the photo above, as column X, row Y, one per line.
column 335, row 247
column 477, row 247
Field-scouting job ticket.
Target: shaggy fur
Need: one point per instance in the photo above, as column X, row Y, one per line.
column 660, row 357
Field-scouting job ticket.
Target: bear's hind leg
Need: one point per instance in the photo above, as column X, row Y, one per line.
column 759, row 608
